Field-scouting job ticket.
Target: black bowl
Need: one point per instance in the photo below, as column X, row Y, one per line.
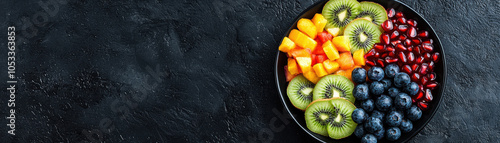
column 440, row 69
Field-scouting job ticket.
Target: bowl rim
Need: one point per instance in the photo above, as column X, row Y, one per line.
column 442, row 58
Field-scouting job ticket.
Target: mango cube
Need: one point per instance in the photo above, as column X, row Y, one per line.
column 330, row 51
column 334, row 31
column 358, row 57
column 308, row 27
column 287, row 45
column 320, row 70
column 292, row 66
column 311, row 76
column 345, row 61
column 302, row 40
column 304, row 63
column 331, row 66
column 319, row 21
column 341, row 43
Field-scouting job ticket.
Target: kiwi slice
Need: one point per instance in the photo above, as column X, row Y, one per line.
column 362, row 34
column 341, row 125
column 318, row 115
column 300, row 91
column 372, row 12
column 339, row 13
column 334, row 86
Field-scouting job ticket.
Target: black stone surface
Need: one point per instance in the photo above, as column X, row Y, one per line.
column 202, row 71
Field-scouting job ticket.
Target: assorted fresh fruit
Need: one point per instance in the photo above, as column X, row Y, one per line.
column 328, row 56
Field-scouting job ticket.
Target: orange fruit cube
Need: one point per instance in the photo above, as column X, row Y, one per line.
column 358, row 57
column 286, row 45
column 304, row 63
column 320, row 70
column 331, row 66
column 302, row 40
column 308, row 27
column 345, row 61
column 292, row 66
column 330, row 51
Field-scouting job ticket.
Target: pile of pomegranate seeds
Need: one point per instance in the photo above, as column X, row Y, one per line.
column 404, row 44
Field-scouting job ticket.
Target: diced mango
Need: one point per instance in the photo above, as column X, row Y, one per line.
column 304, row 63
column 341, row 43
column 308, row 27
column 320, row 70
column 344, row 73
column 300, row 52
column 358, row 57
column 331, row 66
column 319, row 21
column 330, row 51
column 302, row 40
column 287, row 45
column 345, row 61
column 311, row 76
column 288, row 75
column 334, row 31
column 292, row 66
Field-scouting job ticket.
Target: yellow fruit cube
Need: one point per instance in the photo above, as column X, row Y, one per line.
column 334, row 31
column 319, row 21
column 292, row 66
column 330, row 51
column 320, row 70
column 304, row 63
column 308, row 27
column 302, row 40
column 358, row 57
column 311, row 76
column 287, row 45
column 330, row 66
column 341, row 43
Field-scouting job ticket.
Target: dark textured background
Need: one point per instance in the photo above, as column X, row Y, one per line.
column 193, row 71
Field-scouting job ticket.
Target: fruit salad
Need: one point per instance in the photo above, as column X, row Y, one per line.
column 359, row 52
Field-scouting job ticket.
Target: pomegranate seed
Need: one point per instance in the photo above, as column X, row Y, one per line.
column 407, row 69
column 428, row 95
column 392, row 54
column 428, row 41
column 400, row 47
column 391, row 12
column 402, row 56
column 387, row 25
column 421, row 87
column 427, row 56
column 427, row 47
column 410, row 57
column 431, row 66
column 407, row 42
column 394, row 43
column 410, row 48
column 415, row 77
column 402, row 20
column 435, row 57
column 417, row 50
column 432, row 84
column 391, row 60
column 370, row 53
column 394, row 34
column 402, row 28
column 419, row 60
column 394, row 21
column 432, row 76
column 423, row 106
column 414, row 67
column 423, row 34
column 385, row 38
column 370, row 63
column 412, row 32
column 416, row 41
column 389, row 48
column 419, row 95
column 402, row 37
column 424, row 80
column 384, row 55
column 377, row 55
column 423, row 68
column 399, row 14
column 380, row 62
column 412, row 22
column 379, row 47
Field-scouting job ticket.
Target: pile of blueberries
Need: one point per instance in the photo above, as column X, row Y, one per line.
column 385, row 108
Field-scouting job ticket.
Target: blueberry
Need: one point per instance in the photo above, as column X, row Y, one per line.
column 393, row 119
column 393, row 92
column 387, row 83
column 375, row 74
column 402, row 101
column 406, row 126
column 401, row 79
column 359, row 131
column 383, row 103
column 359, row 115
column 393, row 133
column 373, row 124
column 359, row 75
column 391, row 70
column 376, row 88
column 368, row 105
column 379, row 134
column 378, row 114
column 360, row 92
column 414, row 113
column 411, row 88
column 369, row 138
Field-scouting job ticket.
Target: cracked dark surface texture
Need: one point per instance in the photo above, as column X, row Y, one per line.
column 202, row 71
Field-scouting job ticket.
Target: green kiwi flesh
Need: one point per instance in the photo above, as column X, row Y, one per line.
column 339, row 13
column 362, row 34
column 373, row 12
column 341, row 125
column 334, row 86
column 300, row 91
column 318, row 115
